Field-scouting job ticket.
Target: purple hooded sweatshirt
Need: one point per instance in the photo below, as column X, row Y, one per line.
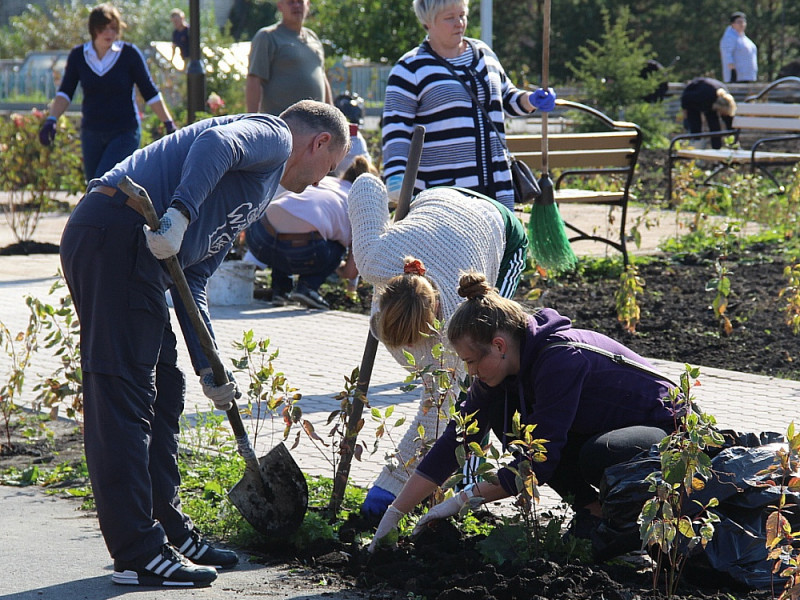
column 562, row 390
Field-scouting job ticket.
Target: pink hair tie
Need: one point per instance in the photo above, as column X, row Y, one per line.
column 414, row 267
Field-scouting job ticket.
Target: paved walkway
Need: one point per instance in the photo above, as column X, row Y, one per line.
column 317, row 349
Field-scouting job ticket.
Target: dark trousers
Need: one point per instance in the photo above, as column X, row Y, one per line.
column 584, row 459
column 131, row 443
column 104, row 149
column 694, row 123
column 133, row 389
column 312, row 260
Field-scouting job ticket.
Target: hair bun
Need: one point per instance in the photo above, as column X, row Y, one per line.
column 413, row 266
column 473, row 285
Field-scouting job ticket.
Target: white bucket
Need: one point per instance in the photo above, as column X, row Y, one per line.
column 231, row 284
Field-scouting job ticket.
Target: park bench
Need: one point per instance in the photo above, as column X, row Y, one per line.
column 598, row 165
column 766, row 122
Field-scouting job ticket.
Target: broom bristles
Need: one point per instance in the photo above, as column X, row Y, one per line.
column 547, row 239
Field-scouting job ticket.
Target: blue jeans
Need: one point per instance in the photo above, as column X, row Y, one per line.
column 104, row 149
column 312, row 260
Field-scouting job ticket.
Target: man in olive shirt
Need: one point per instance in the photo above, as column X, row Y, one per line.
column 287, row 63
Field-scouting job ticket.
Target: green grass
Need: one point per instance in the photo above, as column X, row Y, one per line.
column 206, row 476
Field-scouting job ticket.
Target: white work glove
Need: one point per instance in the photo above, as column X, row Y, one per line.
column 221, row 395
column 448, row 508
column 166, row 240
column 393, row 185
column 387, row 525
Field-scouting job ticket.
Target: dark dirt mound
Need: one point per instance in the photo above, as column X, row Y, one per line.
column 19, row 449
column 443, row 565
column 29, row 247
column 677, row 321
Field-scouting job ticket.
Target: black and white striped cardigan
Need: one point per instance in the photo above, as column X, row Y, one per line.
column 458, row 142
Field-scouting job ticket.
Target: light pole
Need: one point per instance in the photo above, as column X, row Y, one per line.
column 486, row 22
column 195, row 73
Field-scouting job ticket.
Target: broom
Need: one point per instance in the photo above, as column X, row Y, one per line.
column 548, row 242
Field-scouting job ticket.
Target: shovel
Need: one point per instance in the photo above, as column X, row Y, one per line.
column 272, row 495
column 355, row 421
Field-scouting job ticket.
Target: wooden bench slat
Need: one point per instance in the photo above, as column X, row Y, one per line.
column 573, row 141
column 767, row 109
column 737, row 156
column 765, row 124
column 563, row 159
column 578, row 196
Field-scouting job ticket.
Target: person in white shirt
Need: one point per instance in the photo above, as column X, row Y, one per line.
column 307, row 234
column 107, row 70
column 738, row 52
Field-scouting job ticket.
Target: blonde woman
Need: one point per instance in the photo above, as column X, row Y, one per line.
column 707, row 97
column 414, row 265
column 457, row 88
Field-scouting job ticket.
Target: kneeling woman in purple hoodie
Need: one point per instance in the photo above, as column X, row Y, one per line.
column 596, row 402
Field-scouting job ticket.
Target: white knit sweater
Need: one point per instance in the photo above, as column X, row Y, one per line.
column 451, row 234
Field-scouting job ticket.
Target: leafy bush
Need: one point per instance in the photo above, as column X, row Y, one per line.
column 782, row 541
column 665, row 524
column 60, row 331
column 31, row 173
column 19, row 348
column 628, row 310
column 791, row 296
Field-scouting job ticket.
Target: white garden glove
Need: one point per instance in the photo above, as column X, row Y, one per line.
column 387, row 525
column 448, row 508
column 393, row 185
column 221, row 395
column 166, row 240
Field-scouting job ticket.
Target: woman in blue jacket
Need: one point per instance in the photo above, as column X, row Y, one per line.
column 107, row 70
column 594, row 401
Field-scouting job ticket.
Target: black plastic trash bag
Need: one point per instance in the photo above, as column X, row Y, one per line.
column 737, row 553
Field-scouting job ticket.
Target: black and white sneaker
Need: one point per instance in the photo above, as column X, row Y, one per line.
column 308, row 297
column 279, row 299
column 165, row 569
column 200, row 552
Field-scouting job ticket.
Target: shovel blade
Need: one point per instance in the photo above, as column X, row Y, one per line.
column 277, row 506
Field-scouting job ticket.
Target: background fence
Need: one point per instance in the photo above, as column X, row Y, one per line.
column 33, row 81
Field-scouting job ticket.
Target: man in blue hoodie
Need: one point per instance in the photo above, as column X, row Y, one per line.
column 595, row 403
column 210, row 181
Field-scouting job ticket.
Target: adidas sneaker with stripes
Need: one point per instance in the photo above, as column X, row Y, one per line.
column 168, row 569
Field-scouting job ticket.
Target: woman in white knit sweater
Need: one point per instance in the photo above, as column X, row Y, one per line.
column 447, row 231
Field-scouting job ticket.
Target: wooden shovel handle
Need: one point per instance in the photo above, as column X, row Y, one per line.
column 348, row 445
column 410, row 176
column 140, row 196
column 545, row 78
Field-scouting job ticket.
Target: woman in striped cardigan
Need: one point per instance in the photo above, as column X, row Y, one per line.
column 427, row 86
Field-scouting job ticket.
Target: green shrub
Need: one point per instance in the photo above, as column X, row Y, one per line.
column 31, row 173
column 610, row 72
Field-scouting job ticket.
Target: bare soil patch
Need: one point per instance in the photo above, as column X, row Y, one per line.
column 677, row 320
